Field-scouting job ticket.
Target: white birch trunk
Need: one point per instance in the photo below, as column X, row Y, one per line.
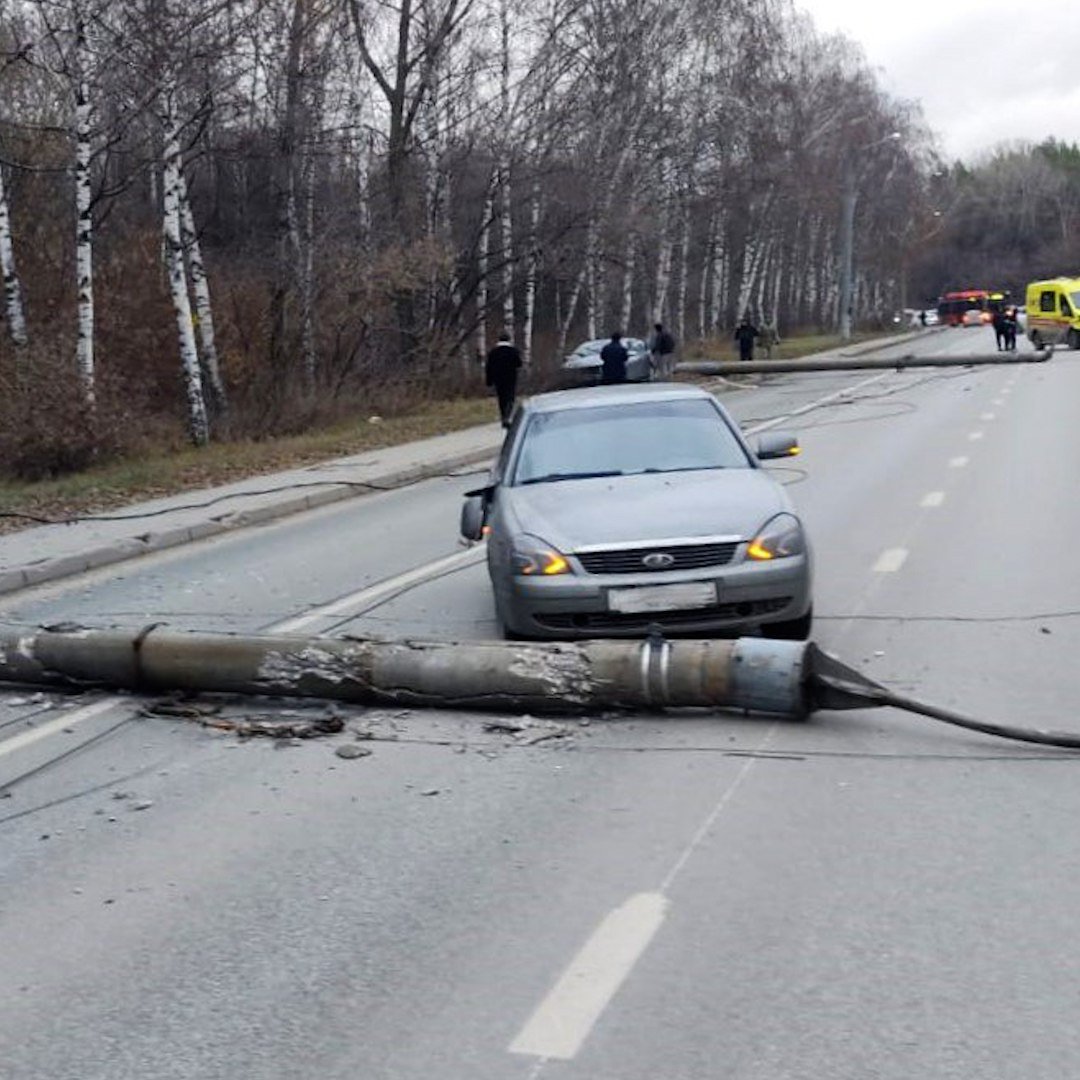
column 703, row 282
column 506, row 217
column 663, row 277
column 531, row 272
column 506, row 229
column 200, row 286
column 198, row 424
column 597, row 214
column 84, row 224
column 307, row 275
column 684, row 264
column 575, row 293
column 721, row 269
column 664, row 246
column 627, row 308
column 13, row 304
column 483, row 250
column 590, row 289
column 751, row 262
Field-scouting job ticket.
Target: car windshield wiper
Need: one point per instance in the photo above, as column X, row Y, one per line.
column 551, row 477
column 685, row 468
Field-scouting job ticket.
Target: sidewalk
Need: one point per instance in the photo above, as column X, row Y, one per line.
column 50, row 552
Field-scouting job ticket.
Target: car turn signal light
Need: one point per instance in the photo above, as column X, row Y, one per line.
column 552, row 563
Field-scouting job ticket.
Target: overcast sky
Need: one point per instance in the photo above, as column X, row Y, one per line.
column 985, row 73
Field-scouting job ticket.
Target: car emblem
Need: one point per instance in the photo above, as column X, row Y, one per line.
column 658, row 560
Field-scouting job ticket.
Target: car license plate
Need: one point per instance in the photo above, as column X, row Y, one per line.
column 690, row 594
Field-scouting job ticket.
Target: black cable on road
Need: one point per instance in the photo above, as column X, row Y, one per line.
column 831, row 684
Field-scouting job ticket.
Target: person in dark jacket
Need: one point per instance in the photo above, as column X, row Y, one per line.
column 745, row 333
column 1000, row 333
column 661, row 353
column 1008, row 330
column 501, row 372
column 614, row 357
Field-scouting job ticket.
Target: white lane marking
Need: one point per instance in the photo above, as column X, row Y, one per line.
column 819, row 403
column 891, row 560
column 50, row 727
column 382, row 591
column 986, row 416
column 933, row 498
column 549, row 1031
column 958, row 462
column 975, row 436
column 998, row 402
column 562, row 1022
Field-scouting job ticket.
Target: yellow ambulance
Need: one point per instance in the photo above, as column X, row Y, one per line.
column 1053, row 312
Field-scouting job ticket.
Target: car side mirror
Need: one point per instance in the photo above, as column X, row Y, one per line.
column 474, row 513
column 777, row 445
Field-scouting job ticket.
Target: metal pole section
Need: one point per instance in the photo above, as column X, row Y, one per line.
column 847, row 244
column 856, row 363
column 749, row 673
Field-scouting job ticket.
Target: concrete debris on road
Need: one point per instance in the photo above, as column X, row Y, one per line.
column 275, row 728
column 351, row 750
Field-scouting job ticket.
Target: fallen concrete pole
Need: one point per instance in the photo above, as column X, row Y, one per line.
column 749, row 673
column 856, row 363
column 786, row 678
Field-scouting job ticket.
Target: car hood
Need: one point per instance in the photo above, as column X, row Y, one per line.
column 644, row 508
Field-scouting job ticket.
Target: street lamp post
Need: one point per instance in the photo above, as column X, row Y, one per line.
column 847, row 232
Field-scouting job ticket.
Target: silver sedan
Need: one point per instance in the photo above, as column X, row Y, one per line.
column 584, row 366
column 616, row 509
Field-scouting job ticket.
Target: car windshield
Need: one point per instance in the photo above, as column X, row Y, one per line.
column 637, row 437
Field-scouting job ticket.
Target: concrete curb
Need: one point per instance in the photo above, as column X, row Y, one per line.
column 131, row 547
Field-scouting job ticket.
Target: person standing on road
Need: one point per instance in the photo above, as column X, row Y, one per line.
column 1009, row 329
column 501, row 372
column 999, row 321
column 661, row 353
column 770, row 338
column 745, row 334
column 614, row 357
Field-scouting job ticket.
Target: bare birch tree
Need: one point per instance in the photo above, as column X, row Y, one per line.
column 13, row 303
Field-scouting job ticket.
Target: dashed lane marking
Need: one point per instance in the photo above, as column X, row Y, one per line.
column 51, row 727
column 933, row 498
column 563, row 1020
column 891, row 560
column 958, row 462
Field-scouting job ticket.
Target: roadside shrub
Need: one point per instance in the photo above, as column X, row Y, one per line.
column 46, row 427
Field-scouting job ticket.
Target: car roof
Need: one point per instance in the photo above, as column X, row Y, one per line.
column 598, row 343
column 619, row 394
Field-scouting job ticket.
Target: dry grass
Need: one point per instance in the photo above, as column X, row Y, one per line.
column 156, row 475
column 152, row 476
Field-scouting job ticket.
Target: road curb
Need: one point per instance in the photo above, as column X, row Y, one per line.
column 131, row 547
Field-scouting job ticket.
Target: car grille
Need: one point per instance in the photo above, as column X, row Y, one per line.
column 672, row 620
column 629, row 560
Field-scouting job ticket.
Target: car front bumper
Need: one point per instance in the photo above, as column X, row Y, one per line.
column 749, row 595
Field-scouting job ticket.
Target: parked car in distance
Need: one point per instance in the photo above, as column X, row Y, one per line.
column 617, row 508
column 583, row 365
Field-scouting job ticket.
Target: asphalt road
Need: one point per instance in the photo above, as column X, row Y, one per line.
column 865, row 895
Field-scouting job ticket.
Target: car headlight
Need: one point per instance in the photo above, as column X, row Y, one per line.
column 781, row 538
column 532, row 557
